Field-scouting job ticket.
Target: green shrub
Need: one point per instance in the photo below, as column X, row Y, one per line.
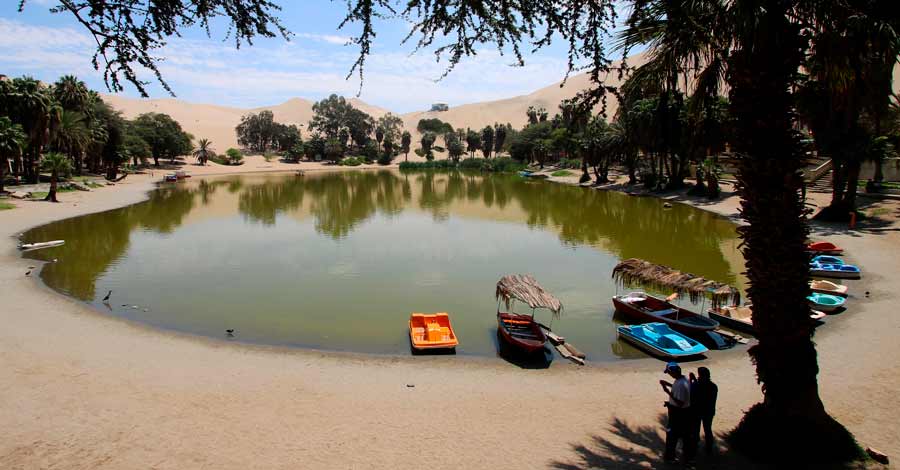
column 385, row 159
column 269, row 155
column 235, row 157
column 498, row 165
column 351, row 161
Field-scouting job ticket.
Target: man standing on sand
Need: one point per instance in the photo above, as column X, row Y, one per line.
column 678, row 405
column 703, row 407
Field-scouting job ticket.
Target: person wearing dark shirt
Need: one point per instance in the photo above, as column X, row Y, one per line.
column 703, row 406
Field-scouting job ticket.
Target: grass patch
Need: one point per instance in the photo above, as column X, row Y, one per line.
column 884, row 184
column 5, row 206
column 90, row 184
column 561, row 173
column 495, row 165
column 43, row 194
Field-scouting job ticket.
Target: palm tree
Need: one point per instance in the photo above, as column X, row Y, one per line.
column 58, row 165
column 761, row 46
column 204, row 147
column 32, row 104
column 12, row 138
column 72, row 93
column 72, row 136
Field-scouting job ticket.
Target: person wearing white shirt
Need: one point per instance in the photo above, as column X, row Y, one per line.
column 678, row 404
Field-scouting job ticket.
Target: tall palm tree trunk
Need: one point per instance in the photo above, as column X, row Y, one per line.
column 769, row 182
column 51, row 195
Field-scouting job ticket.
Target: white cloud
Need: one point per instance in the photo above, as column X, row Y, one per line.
column 329, row 38
column 207, row 70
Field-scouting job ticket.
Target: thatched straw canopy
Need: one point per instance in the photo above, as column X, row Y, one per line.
column 526, row 289
column 637, row 271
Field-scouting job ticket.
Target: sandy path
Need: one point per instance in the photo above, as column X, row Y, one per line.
column 83, row 390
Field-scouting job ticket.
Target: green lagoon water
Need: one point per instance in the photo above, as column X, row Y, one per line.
column 338, row 260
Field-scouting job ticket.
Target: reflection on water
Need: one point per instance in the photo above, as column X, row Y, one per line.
column 338, row 260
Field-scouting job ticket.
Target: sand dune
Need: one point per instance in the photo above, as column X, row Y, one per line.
column 217, row 123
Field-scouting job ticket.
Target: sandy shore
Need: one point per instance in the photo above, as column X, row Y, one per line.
column 82, row 390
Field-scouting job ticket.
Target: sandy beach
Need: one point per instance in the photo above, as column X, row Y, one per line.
column 82, row 390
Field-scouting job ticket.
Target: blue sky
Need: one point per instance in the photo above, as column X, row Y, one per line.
column 312, row 65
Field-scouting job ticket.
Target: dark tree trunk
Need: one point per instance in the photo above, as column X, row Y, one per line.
column 3, row 165
column 155, row 160
column 761, row 72
column 852, row 178
column 51, row 195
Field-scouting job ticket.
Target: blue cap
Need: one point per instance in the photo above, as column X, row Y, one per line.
column 672, row 366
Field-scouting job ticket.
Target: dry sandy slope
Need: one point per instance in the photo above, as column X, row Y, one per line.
column 217, row 123
column 83, row 390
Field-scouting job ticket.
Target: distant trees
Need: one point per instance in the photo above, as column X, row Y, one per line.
column 487, row 141
column 337, row 119
column 204, row 150
column 343, row 128
column 433, row 125
column 260, row 133
column 12, row 139
column 235, row 157
column 389, row 126
column 58, row 165
column 164, row 136
column 455, row 147
column 500, row 132
column 473, row 142
column 405, row 142
column 427, row 142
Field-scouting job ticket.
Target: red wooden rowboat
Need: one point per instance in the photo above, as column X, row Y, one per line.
column 824, row 248
column 643, row 308
column 521, row 331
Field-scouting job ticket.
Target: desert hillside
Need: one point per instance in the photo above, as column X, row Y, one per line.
column 217, row 123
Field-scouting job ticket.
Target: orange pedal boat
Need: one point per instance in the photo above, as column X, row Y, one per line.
column 431, row 331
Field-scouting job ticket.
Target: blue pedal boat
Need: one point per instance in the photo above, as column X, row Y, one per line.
column 825, row 302
column 660, row 340
column 843, row 271
column 824, row 259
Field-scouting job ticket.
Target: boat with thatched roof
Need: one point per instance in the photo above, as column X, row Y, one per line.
column 522, row 331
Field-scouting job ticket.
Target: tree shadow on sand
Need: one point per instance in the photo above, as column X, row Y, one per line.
column 623, row 446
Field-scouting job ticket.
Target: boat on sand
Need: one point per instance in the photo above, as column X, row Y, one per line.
column 432, row 331
column 825, row 259
column 824, row 248
column 827, row 287
column 843, row 271
column 659, row 340
column 825, row 302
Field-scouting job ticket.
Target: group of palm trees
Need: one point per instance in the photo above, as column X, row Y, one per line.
column 59, row 128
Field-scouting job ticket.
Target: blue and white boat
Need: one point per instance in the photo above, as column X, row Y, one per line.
column 824, row 259
column 660, row 340
column 825, row 302
column 844, row 271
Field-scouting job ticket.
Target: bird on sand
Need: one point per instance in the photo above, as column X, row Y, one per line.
column 28, row 273
column 230, row 332
column 107, row 296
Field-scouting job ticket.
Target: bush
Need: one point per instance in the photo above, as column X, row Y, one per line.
column 570, row 163
column 352, row 161
column 385, row 159
column 235, row 157
column 269, row 155
column 498, row 165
